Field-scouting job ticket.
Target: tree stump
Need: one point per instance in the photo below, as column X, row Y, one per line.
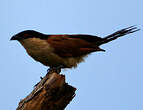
column 51, row 93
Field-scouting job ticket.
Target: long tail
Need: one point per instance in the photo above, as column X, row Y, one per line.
column 119, row 33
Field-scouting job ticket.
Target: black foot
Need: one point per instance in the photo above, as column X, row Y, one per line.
column 55, row 69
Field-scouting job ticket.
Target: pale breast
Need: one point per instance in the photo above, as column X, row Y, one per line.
column 41, row 51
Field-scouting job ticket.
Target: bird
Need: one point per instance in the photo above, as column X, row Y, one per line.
column 61, row 51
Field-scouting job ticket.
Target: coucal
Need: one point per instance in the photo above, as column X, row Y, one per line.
column 64, row 51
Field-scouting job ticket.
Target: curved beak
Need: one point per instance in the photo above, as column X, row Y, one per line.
column 14, row 37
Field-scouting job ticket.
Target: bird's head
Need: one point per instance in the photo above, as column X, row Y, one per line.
column 27, row 34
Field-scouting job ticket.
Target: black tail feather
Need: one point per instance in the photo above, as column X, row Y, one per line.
column 119, row 33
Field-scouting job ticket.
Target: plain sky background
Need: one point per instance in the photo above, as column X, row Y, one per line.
column 105, row 81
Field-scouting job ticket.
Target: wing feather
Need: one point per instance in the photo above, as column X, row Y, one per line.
column 71, row 46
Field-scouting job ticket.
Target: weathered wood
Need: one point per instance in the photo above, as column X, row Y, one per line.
column 51, row 93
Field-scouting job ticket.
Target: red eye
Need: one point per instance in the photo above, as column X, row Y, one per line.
column 26, row 34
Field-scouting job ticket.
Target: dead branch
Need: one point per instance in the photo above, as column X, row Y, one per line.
column 51, row 93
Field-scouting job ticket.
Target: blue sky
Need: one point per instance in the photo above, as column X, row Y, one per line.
column 110, row 80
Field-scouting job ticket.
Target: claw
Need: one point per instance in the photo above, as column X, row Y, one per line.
column 55, row 69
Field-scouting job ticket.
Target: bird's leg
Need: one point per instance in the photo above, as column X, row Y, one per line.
column 55, row 69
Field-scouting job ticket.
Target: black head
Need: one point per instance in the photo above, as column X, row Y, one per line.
column 28, row 34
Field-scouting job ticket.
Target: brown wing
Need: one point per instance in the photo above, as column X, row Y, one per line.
column 66, row 46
